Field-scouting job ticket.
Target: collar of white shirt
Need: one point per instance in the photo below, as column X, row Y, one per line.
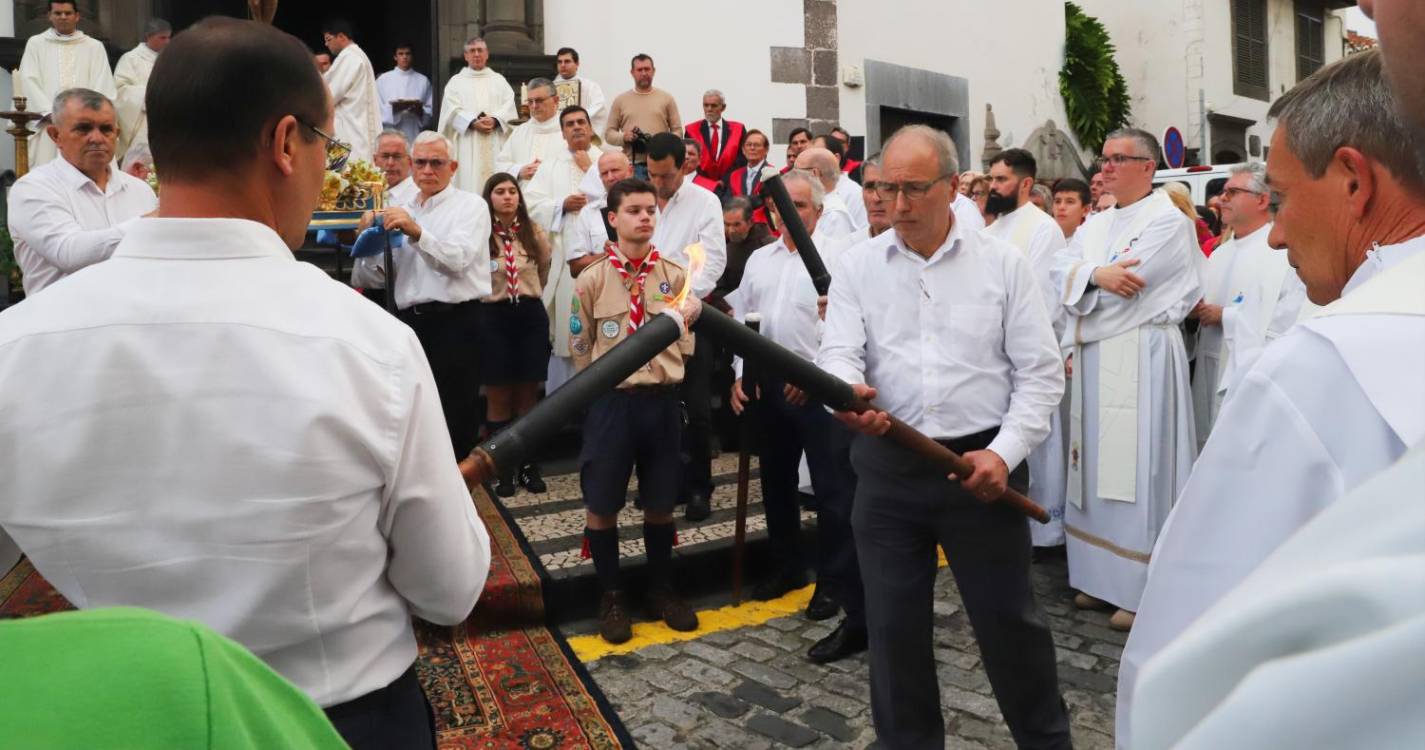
column 422, row 203
column 76, row 180
column 949, row 246
column 202, row 239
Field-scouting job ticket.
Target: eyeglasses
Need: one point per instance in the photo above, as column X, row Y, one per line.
column 887, row 191
column 390, row 156
column 535, row 101
column 432, row 163
column 337, row 152
column 1119, row 160
column 1233, row 192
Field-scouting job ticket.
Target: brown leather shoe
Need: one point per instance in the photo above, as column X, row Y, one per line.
column 1084, row 601
column 614, row 623
column 664, row 605
column 1122, row 620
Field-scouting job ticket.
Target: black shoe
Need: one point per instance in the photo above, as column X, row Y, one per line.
column 506, row 487
column 699, row 508
column 844, row 641
column 530, row 479
column 615, row 625
column 789, row 579
column 664, row 605
column 823, row 605
column 1045, row 554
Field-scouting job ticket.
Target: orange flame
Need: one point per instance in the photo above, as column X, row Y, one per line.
column 696, row 258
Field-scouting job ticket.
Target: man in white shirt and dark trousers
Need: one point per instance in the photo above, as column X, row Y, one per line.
column 947, row 330
column 72, row 212
column 442, row 271
column 688, row 216
column 244, row 441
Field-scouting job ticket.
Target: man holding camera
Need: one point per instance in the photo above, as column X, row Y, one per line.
column 640, row 112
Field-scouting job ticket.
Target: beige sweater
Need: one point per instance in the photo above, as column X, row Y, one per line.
column 651, row 112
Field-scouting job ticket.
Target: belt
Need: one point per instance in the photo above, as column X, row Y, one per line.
column 650, row 389
column 966, row 443
column 431, row 308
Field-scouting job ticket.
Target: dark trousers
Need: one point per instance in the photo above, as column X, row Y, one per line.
column 904, row 509
column 785, row 432
column 448, row 335
column 697, row 437
column 397, row 715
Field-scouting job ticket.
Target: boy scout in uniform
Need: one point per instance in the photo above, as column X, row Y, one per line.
column 639, row 423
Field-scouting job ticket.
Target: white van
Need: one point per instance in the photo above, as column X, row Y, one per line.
column 1204, row 182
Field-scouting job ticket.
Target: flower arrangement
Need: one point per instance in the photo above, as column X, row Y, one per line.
column 348, row 191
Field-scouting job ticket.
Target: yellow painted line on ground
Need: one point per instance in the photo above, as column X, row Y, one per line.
column 731, row 617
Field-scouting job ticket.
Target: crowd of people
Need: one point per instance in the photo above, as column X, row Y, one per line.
column 248, row 445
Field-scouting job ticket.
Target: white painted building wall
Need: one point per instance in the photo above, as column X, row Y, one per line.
column 728, row 47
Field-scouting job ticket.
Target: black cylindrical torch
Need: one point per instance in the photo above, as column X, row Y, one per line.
column 792, row 224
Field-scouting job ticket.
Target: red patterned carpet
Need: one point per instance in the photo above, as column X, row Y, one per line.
column 501, row 679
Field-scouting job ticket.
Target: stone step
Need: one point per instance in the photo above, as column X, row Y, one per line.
column 553, row 524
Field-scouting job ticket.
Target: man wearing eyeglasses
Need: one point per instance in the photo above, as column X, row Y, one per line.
column 442, row 270
column 536, row 140
column 1127, row 281
column 262, row 450
column 946, row 329
column 1250, row 298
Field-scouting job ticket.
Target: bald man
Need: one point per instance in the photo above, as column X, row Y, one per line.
column 836, row 220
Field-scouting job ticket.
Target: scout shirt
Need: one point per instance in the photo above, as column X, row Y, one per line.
column 599, row 318
column 532, row 268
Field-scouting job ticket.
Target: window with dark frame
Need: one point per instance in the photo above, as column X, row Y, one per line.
column 1310, row 37
column 1249, row 49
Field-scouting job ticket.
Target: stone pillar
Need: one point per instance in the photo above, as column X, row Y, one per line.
column 507, row 30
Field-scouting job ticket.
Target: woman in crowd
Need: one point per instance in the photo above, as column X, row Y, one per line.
column 514, row 329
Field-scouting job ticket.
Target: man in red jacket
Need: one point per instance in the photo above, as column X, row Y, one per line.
column 744, row 181
column 719, row 139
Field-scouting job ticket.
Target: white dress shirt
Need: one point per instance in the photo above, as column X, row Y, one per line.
column 62, row 221
column 850, row 192
column 955, row 344
column 218, row 432
column 835, row 218
column 693, row 216
column 451, row 260
column 967, row 212
column 776, row 285
column 592, row 233
column 402, row 193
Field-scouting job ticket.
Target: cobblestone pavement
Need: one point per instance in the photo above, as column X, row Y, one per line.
column 752, row 689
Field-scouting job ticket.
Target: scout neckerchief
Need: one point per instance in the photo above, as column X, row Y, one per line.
column 627, row 271
column 512, row 269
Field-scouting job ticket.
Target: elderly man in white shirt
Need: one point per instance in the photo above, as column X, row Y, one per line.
column 594, row 229
column 442, row 270
column 947, row 330
column 689, row 216
column 837, row 218
column 242, row 441
column 72, row 212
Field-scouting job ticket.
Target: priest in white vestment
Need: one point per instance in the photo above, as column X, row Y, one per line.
column 476, row 113
column 536, row 139
column 405, row 96
column 1034, row 232
column 555, row 198
column 1127, row 282
column 63, row 57
column 591, row 95
column 1318, row 648
column 353, row 86
column 131, row 81
column 1250, row 298
column 1338, row 398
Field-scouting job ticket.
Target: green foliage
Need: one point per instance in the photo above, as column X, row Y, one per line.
column 1095, row 94
column 9, row 269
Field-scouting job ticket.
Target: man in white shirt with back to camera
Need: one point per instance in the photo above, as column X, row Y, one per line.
column 72, row 212
column 215, row 431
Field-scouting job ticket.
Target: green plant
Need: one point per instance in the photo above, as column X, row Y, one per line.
column 9, row 269
column 1095, row 94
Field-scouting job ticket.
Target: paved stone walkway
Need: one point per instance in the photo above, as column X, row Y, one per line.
column 751, row 689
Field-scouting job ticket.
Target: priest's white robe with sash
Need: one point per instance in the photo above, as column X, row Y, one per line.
column 531, row 141
column 131, row 83
column 1260, row 297
column 468, row 95
column 355, row 101
column 558, row 178
column 53, row 63
column 405, row 85
column 1334, row 401
column 1131, row 442
column 1039, row 236
column 591, row 98
column 1320, row 647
